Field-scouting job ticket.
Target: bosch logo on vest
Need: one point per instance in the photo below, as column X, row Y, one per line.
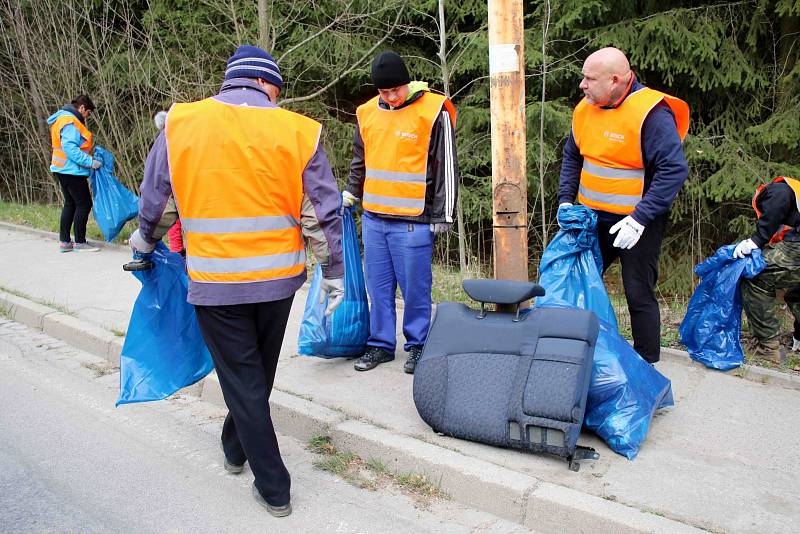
column 406, row 136
column 614, row 137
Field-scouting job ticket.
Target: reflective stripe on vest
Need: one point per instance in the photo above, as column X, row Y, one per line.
column 240, row 205
column 795, row 186
column 59, row 157
column 396, row 144
column 612, row 177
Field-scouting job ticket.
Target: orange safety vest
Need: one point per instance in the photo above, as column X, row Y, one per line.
column 612, row 178
column 795, row 185
column 396, row 143
column 59, row 157
column 236, row 175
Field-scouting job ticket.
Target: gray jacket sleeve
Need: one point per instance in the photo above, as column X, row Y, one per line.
column 320, row 219
column 155, row 191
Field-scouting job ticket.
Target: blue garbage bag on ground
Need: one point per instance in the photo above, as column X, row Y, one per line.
column 344, row 333
column 712, row 325
column 625, row 390
column 571, row 265
column 113, row 204
column 164, row 350
column 624, row 393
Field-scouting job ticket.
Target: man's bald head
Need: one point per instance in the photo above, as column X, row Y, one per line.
column 606, row 74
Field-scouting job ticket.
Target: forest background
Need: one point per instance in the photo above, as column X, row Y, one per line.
column 735, row 63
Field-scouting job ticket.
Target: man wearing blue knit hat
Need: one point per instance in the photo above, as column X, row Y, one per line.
column 250, row 182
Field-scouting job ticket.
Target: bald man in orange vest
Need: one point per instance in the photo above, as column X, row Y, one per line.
column 624, row 159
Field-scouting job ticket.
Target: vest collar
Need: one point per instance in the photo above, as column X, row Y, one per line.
column 69, row 108
column 633, row 86
column 415, row 92
column 241, row 83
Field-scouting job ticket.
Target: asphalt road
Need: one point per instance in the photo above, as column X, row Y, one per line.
column 72, row 462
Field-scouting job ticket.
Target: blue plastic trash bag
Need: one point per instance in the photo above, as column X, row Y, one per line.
column 345, row 332
column 571, row 266
column 713, row 322
column 113, row 205
column 164, row 350
column 625, row 390
column 624, row 393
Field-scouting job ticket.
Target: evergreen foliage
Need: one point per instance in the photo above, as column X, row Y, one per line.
column 734, row 62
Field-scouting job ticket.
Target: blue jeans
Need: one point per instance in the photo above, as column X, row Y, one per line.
column 397, row 253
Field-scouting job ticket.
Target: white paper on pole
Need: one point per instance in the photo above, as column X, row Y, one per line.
column 503, row 58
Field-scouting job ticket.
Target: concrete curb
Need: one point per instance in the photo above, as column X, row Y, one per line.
column 527, row 500
column 753, row 373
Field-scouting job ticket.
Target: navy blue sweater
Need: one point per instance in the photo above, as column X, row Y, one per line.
column 665, row 167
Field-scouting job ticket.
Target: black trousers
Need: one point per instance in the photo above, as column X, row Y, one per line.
column 639, row 277
column 245, row 342
column 77, row 204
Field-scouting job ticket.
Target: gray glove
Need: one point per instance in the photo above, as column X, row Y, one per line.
column 138, row 244
column 96, row 163
column 441, row 228
column 333, row 288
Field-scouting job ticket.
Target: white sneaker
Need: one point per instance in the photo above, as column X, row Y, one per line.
column 84, row 247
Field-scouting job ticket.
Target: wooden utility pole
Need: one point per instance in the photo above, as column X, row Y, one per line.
column 509, row 178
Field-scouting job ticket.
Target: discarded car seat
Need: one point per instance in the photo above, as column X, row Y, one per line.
column 508, row 379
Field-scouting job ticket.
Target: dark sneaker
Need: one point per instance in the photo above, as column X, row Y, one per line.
column 233, row 469
column 413, row 357
column 277, row 511
column 65, row 246
column 372, row 358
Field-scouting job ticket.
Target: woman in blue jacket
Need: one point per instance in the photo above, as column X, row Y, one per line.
column 71, row 164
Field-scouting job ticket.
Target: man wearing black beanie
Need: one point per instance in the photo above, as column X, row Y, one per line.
column 405, row 169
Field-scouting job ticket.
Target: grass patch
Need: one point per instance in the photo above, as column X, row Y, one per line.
column 15, row 293
column 117, row 332
column 47, row 217
column 447, row 283
column 99, row 369
column 373, row 474
column 50, row 303
column 5, row 312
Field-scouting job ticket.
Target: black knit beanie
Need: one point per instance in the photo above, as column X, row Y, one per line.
column 389, row 70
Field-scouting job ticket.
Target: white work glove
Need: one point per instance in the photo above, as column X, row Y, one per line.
column 628, row 232
column 348, row 200
column 744, row 248
column 160, row 119
column 138, row 244
column 334, row 289
column 441, row 228
column 96, row 163
column 559, row 207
